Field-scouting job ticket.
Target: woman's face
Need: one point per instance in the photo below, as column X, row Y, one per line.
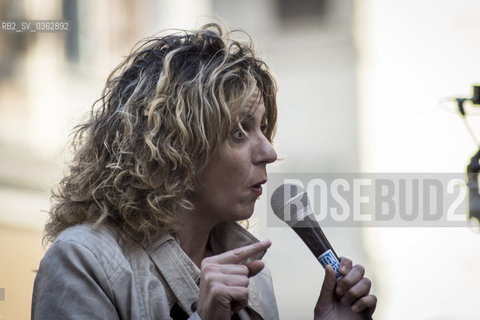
column 232, row 181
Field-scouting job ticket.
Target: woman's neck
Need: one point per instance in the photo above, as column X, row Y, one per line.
column 193, row 237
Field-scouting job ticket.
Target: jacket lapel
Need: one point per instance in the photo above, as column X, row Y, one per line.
column 180, row 273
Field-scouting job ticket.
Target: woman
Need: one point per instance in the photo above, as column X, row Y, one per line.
column 144, row 225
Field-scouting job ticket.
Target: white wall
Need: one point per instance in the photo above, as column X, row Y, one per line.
column 411, row 55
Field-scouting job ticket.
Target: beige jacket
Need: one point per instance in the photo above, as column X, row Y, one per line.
column 87, row 274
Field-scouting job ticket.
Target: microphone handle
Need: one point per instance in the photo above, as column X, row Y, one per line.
column 318, row 244
column 315, row 240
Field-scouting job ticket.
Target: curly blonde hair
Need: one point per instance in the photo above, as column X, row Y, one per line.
column 163, row 114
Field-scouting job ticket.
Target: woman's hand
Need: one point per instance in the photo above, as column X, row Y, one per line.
column 349, row 298
column 224, row 281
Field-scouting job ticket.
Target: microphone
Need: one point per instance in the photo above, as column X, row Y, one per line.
column 290, row 204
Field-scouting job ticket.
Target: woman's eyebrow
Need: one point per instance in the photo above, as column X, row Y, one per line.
column 251, row 117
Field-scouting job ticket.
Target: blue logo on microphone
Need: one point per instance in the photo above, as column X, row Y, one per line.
column 328, row 258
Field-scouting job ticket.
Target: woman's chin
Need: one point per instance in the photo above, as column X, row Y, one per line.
column 243, row 217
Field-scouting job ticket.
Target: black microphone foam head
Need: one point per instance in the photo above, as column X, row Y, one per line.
column 290, row 204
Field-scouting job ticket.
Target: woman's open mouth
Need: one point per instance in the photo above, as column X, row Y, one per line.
column 257, row 188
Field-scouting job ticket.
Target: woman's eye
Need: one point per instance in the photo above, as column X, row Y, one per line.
column 238, row 134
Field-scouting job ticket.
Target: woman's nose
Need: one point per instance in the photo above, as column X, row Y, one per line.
column 264, row 153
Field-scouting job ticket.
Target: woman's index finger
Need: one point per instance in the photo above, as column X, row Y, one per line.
column 237, row 255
